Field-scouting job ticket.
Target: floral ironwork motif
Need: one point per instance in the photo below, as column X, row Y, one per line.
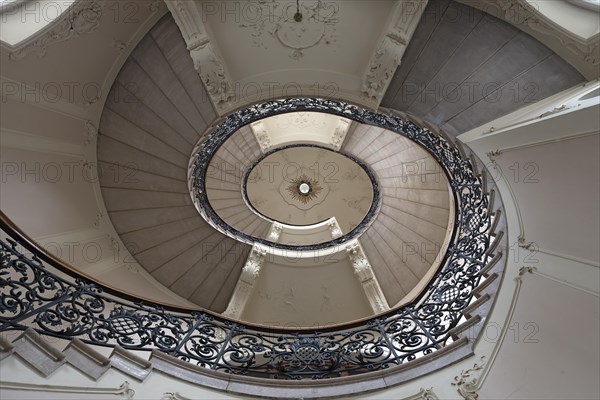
column 38, row 292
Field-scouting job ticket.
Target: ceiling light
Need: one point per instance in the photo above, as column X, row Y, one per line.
column 304, row 188
column 298, row 15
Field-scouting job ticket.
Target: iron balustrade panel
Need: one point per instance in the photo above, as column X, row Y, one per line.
column 37, row 291
column 238, row 349
column 31, row 295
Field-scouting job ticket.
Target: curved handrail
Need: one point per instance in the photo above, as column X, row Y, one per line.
column 67, row 304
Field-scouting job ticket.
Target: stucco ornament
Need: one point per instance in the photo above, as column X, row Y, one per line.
column 466, row 382
column 84, row 17
column 317, row 25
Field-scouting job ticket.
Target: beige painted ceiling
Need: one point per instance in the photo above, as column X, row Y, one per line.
column 253, row 39
column 51, row 124
column 302, row 127
column 342, row 189
column 259, row 43
column 301, row 293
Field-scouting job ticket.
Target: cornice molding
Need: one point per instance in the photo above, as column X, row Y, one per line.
column 424, row 394
column 124, row 391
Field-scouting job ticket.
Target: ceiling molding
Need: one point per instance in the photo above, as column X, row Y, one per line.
column 423, row 394
column 124, row 391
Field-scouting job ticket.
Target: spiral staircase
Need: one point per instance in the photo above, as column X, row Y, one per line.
column 386, row 276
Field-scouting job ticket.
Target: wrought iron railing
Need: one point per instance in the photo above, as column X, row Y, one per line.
column 39, row 291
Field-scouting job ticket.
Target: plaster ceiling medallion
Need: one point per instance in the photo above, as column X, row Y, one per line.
column 304, row 189
column 307, row 184
column 298, row 28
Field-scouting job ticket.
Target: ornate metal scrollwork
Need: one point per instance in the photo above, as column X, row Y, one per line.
column 36, row 291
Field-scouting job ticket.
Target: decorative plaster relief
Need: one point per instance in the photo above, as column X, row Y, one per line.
column 466, row 382
column 275, row 232
column 245, row 285
column 91, row 133
column 262, row 136
column 84, row 17
column 291, row 195
column 390, row 49
column 99, row 214
column 253, row 265
column 382, row 67
column 120, row 46
column 317, row 25
column 212, row 72
column 339, row 133
column 424, row 394
column 173, row 396
column 334, row 228
column 154, row 5
column 364, row 271
column 207, row 60
column 305, row 120
column 361, row 265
